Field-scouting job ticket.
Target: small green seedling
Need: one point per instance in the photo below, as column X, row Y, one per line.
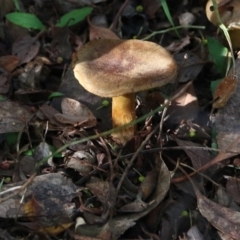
column 105, row 103
column 54, row 95
column 74, row 17
column 141, row 177
column 139, row 8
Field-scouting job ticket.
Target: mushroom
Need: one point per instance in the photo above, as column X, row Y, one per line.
column 118, row 69
column 229, row 11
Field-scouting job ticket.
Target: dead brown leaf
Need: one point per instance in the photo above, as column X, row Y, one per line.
column 82, row 162
column 4, row 85
column 75, row 113
column 148, row 184
column 116, row 226
column 25, row 48
column 199, row 157
column 227, row 118
column 190, row 65
column 224, row 91
column 9, row 63
column 47, row 202
column 14, row 116
column 150, row 8
column 224, row 219
column 233, row 188
column 97, row 32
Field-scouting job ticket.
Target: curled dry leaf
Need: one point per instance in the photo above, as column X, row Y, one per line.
column 101, row 189
column 82, row 162
column 227, row 118
column 148, row 184
column 9, row 63
column 75, row 113
column 224, row 90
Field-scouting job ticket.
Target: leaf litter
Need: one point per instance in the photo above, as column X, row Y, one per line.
column 62, row 175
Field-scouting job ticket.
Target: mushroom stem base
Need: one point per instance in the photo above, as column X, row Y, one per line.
column 123, row 112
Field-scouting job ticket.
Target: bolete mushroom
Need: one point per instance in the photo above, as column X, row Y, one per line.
column 229, row 11
column 120, row 68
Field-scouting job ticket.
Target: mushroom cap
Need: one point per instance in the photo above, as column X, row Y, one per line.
column 114, row 67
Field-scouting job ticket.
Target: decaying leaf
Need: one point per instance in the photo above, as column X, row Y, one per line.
column 225, row 90
column 25, row 48
column 151, row 9
column 82, row 162
column 101, row 189
column 4, row 85
column 222, row 218
column 46, row 203
column 75, row 113
column 233, row 188
column 116, row 226
column 198, row 157
column 13, row 116
column 227, row 118
column 9, row 63
column 97, row 32
column 190, row 65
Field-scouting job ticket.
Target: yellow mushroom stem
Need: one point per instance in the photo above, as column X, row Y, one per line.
column 123, row 112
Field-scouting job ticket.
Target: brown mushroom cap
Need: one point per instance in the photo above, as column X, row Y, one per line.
column 112, row 67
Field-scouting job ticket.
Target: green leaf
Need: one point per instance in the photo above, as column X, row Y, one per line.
column 55, row 94
column 26, row 20
column 12, row 138
column 74, row 17
column 218, row 54
column 168, row 14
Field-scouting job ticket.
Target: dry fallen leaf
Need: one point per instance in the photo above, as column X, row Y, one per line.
column 4, row 85
column 13, row 116
column 233, row 189
column 224, row 91
column 199, row 157
column 46, row 203
column 227, row 118
column 97, row 32
column 222, row 218
column 82, row 162
column 75, row 113
column 25, row 48
column 9, row 63
column 116, row 226
column 190, row 65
